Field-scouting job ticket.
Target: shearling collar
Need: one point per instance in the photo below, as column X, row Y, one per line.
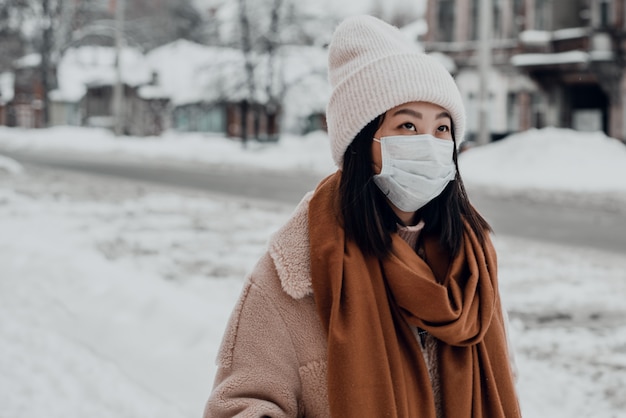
column 290, row 251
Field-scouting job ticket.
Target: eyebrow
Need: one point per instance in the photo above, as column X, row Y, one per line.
column 419, row 115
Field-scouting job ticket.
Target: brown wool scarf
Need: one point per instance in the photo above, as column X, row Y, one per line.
column 369, row 308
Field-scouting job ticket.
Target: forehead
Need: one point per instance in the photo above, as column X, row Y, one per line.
column 423, row 108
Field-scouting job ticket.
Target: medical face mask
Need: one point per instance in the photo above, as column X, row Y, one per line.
column 415, row 169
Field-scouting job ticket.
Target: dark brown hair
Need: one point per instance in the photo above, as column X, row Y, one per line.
column 368, row 218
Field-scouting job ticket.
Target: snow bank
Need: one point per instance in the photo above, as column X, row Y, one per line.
column 9, row 165
column 310, row 152
column 550, row 159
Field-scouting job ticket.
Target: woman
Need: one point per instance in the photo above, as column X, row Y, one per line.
column 379, row 297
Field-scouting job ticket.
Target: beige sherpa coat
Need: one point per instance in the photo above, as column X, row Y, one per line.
column 272, row 361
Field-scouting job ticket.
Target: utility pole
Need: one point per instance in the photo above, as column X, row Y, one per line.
column 118, row 88
column 484, row 68
column 246, row 48
column 45, row 61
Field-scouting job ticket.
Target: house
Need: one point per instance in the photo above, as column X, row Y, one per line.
column 64, row 110
column 87, row 76
column 177, row 66
column 210, row 93
column 554, row 62
column 186, row 87
column 25, row 109
column 152, row 108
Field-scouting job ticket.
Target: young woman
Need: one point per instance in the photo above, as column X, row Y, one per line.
column 379, row 297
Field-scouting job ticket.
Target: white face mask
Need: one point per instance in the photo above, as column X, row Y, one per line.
column 415, row 169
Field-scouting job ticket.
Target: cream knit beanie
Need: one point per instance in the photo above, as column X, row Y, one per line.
column 372, row 68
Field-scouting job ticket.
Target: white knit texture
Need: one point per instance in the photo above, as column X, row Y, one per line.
column 372, row 68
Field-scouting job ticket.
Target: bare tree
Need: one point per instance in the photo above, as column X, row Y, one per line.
column 157, row 22
column 273, row 41
column 249, row 65
column 264, row 28
column 46, row 44
column 41, row 26
column 13, row 42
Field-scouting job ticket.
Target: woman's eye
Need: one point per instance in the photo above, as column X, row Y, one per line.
column 408, row 126
column 443, row 128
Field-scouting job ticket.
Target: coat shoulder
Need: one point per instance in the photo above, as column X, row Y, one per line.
column 290, row 252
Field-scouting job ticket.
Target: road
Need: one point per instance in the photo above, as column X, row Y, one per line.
column 517, row 216
column 553, row 221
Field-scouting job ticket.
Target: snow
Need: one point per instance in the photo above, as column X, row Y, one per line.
column 183, row 71
column 95, row 65
column 570, row 33
column 550, row 159
column 28, row 61
column 535, row 37
column 310, row 152
column 114, row 295
column 601, row 55
column 542, row 37
column 569, row 57
column 445, row 60
column 415, row 29
column 9, row 166
column 6, row 87
column 150, row 92
column 190, row 72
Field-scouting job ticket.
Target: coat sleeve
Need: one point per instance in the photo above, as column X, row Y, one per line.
column 257, row 372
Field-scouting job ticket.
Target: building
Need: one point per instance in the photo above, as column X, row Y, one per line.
column 210, row 93
column 554, row 62
column 25, row 109
column 181, row 86
column 87, row 76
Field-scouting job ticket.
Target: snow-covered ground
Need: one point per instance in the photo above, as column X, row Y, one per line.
column 114, row 294
column 291, row 153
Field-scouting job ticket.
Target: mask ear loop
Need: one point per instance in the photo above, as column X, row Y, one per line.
column 376, row 140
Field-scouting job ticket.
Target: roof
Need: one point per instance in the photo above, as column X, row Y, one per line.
column 95, row 65
column 6, row 87
column 28, row 61
column 192, row 73
column 560, row 58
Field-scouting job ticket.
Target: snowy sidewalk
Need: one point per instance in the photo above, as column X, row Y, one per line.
column 114, row 296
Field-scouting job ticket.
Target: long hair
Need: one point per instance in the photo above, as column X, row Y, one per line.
column 368, row 218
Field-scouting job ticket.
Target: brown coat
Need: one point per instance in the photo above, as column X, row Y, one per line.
column 272, row 361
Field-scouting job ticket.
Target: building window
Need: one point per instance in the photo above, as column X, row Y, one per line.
column 475, row 16
column 512, row 112
column 519, row 23
column 543, row 14
column 604, row 13
column 496, row 19
column 538, row 111
column 445, row 20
